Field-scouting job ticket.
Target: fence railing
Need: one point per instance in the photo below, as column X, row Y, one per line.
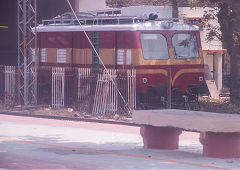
column 108, row 91
column 58, row 87
column 84, row 78
column 83, row 85
column 101, row 93
column 115, row 92
column 2, row 83
column 8, row 85
column 131, row 75
column 112, row 95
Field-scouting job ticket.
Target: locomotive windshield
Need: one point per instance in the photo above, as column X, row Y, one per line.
column 185, row 46
column 154, row 46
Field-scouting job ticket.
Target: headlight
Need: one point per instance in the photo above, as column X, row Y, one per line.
column 144, row 80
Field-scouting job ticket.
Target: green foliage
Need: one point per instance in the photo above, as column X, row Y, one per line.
column 228, row 18
column 213, row 30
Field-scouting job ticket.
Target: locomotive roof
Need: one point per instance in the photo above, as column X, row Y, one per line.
column 141, row 26
column 122, row 19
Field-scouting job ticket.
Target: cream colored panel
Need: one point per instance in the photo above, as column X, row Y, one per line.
column 69, row 55
column 107, row 56
column 51, row 55
column 82, row 56
column 139, row 60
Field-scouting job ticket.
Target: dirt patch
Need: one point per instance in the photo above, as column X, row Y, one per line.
column 207, row 104
column 221, row 105
column 63, row 112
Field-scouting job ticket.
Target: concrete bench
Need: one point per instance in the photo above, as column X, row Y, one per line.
column 219, row 133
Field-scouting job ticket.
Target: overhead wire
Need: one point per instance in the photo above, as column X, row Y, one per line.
column 94, row 49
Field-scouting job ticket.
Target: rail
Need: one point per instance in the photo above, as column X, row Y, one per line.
column 93, row 21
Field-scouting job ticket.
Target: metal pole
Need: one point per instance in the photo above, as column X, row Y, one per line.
column 19, row 63
column 169, row 89
column 18, row 31
column 36, row 55
column 25, row 94
column 27, row 67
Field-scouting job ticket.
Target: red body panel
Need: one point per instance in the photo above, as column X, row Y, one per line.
column 80, row 40
column 107, row 39
column 56, row 40
column 128, row 40
column 182, row 81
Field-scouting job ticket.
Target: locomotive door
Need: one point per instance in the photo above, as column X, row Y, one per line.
column 95, row 59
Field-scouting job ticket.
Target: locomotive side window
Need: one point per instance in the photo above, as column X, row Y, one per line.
column 154, row 46
column 185, row 46
column 43, row 55
column 61, row 56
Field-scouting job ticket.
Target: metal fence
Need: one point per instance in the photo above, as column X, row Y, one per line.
column 107, row 91
column 2, row 83
column 58, row 87
column 8, row 85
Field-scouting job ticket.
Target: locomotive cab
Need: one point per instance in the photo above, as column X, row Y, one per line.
column 176, row 49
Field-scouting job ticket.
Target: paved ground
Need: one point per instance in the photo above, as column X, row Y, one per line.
column 34, row 143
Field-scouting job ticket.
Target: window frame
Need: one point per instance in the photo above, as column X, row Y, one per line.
column 197, row 43
column 165, row 41
column 43, row 54
column 60, row 54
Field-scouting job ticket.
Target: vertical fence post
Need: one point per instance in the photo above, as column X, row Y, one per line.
column 53, row 85
column 2, row 83
column 131, row 79
column 63, row 87
column 112, row 93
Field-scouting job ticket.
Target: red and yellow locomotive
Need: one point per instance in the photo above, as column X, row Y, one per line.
column 148, row 45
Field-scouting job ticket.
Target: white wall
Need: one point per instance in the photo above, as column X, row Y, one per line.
column 214, row 66
column 89, row 5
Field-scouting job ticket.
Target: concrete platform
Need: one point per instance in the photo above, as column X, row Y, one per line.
column 220, row 133
column 34, row 143
column 189, row 120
